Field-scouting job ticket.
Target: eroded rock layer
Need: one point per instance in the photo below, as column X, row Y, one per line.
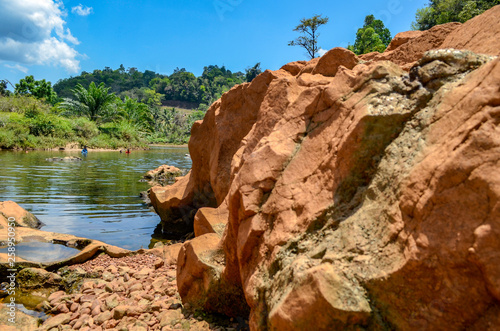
column 358, row 191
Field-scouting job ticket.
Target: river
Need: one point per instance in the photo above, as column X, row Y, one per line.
column 97, row 198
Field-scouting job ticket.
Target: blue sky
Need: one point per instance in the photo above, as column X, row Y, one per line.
column 53, row 39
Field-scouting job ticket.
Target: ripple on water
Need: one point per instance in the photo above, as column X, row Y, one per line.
column 97, row 198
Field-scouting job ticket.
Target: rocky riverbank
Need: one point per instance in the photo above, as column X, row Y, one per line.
column 102, row 287
column 136, row 292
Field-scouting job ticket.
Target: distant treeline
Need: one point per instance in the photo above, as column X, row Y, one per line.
column 156, row 89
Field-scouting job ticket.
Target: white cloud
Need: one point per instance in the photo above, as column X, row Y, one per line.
column 82, row 11
column 322, row 51
column 17, row 67
column 34, row 32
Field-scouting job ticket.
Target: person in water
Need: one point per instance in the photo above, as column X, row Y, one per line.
column 84, row 150
column 128, row 151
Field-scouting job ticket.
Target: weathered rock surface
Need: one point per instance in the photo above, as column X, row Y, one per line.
column 34, row 278
column 358, row 195
column 16, row 213
column 479, row 35
column 22, row 321
column 174, row 205
column 163, row 175
column 211, row 220
column 329, row 64
column 402, row 38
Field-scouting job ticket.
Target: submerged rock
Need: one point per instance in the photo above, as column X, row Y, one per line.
column 64, row 159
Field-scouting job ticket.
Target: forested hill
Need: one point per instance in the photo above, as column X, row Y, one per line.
column 155, row 89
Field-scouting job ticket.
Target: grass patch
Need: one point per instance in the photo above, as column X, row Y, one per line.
column 28, row 123
column 40, row 130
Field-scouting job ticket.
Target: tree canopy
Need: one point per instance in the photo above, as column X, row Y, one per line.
column 95, row 103
column 3, row 88
column 156, row 89
column 253, row 72
column 444, row 11
column 39, row 89
column 372, row 37
column 308, row 27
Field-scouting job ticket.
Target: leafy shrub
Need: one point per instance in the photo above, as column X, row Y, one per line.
column 7, row 139
column 51, row 125
column 19, row 104
column 85, row 128
column 4, row 119
column 105, row 141
column 33, row 112
column 17, row 127
column 50, row 142
column 123, row 131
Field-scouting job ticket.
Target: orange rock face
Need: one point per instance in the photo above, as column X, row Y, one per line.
column 21, row 217
column 360, row 192
column 174, row 205
column 210, row 220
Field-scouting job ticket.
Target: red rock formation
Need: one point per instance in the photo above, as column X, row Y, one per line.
column 358, row 194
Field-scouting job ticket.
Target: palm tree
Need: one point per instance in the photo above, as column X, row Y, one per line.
column 136, row 113
column 96, row 103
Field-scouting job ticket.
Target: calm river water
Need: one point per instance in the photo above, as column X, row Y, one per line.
column 96, row 198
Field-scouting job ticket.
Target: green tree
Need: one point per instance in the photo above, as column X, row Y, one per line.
column 372, row 37
column 309, row 30
column 253, row 72
column 137, row 114
column 444, row 11
column 3, row 88
column 95, row 103
column 152, row 88
column 39, row 89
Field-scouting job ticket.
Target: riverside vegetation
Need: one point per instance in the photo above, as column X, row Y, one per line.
column 111, row 108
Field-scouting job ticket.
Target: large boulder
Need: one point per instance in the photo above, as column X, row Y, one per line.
column 199, row 267
column 174, row 205
column 402, row 38
column 30, row 279
column 362, row 197
column 329, row 63
column 479, row 35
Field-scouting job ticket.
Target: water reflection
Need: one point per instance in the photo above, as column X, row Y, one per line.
column 42, row 251
column 96, row 198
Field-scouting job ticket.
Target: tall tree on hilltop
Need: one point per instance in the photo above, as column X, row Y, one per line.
column 309, row 28
column 253, row 72
column 372, row 37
